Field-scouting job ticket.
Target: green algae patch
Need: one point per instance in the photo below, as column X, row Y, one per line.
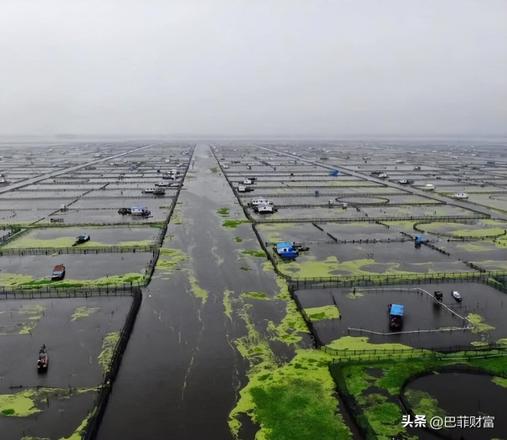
column 479, row 343
column 478, row 324
column 331, row 266
column 108, row 346
column 292, row 326
column 292, row 401
column 227, row 301
column 33, row 313
column 83, row 312
column 34, row 438
column 357, row 379
column 422, row 402
column 223, row 212
column 27, row 282
column 14, row 279
column 233, row 224
column 253, row 346
column 26, row 402
column 26, row 242
column 324, row 312
column 384, row 417
column 196, row 289
column 276, row 405
column 177, row 216
column 500, row 381
column 376, row 411
column 79, row 431
column 255, row 295
column 20, row 404
column 361, row 343
column 238, row 239
column 259, row 253
column 170, row 259
column 460, row 230
column 267, row 267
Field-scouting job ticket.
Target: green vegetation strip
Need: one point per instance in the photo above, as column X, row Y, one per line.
column 288, row 400
column 27, row 242
column 375, row 385
column 83, row 312
column 33, row 313
column 232, row 224
column 224, row 212
column 27, row 282
column 170, row 259
column 255, row 295
column 478, row 324
column 323, row 312
column 259, row 253
column 108, row 346
column 196, row 289
column 30, row 401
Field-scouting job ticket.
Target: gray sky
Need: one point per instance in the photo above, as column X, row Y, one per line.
column 254, row 67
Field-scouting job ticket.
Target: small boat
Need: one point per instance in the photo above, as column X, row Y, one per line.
column 438, row 295
column 58, row 272
column 461, row 196
column 43, row 360
column 457, row 296
column 396, row 313
column 140, row 212
column 83, row 238
column 159, row 192
column 405, row 181
column 155, row 191
column 428, row 187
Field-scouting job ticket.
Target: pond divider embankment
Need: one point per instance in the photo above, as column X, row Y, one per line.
column 77, row 250
column 394, row 279
column 48, row 292
column 367, row 219
column 95, row 418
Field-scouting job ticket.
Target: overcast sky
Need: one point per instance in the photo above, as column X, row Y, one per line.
column 254, row 67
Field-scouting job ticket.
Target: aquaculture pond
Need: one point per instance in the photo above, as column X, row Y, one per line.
column 375, row 390
column 461, row 394
column 357, row 259
column 105, row 202
column 102, row 268
column 65, row 237
column 363, row 312
column 17, row 217
column 110, row 215
column 79, row 334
